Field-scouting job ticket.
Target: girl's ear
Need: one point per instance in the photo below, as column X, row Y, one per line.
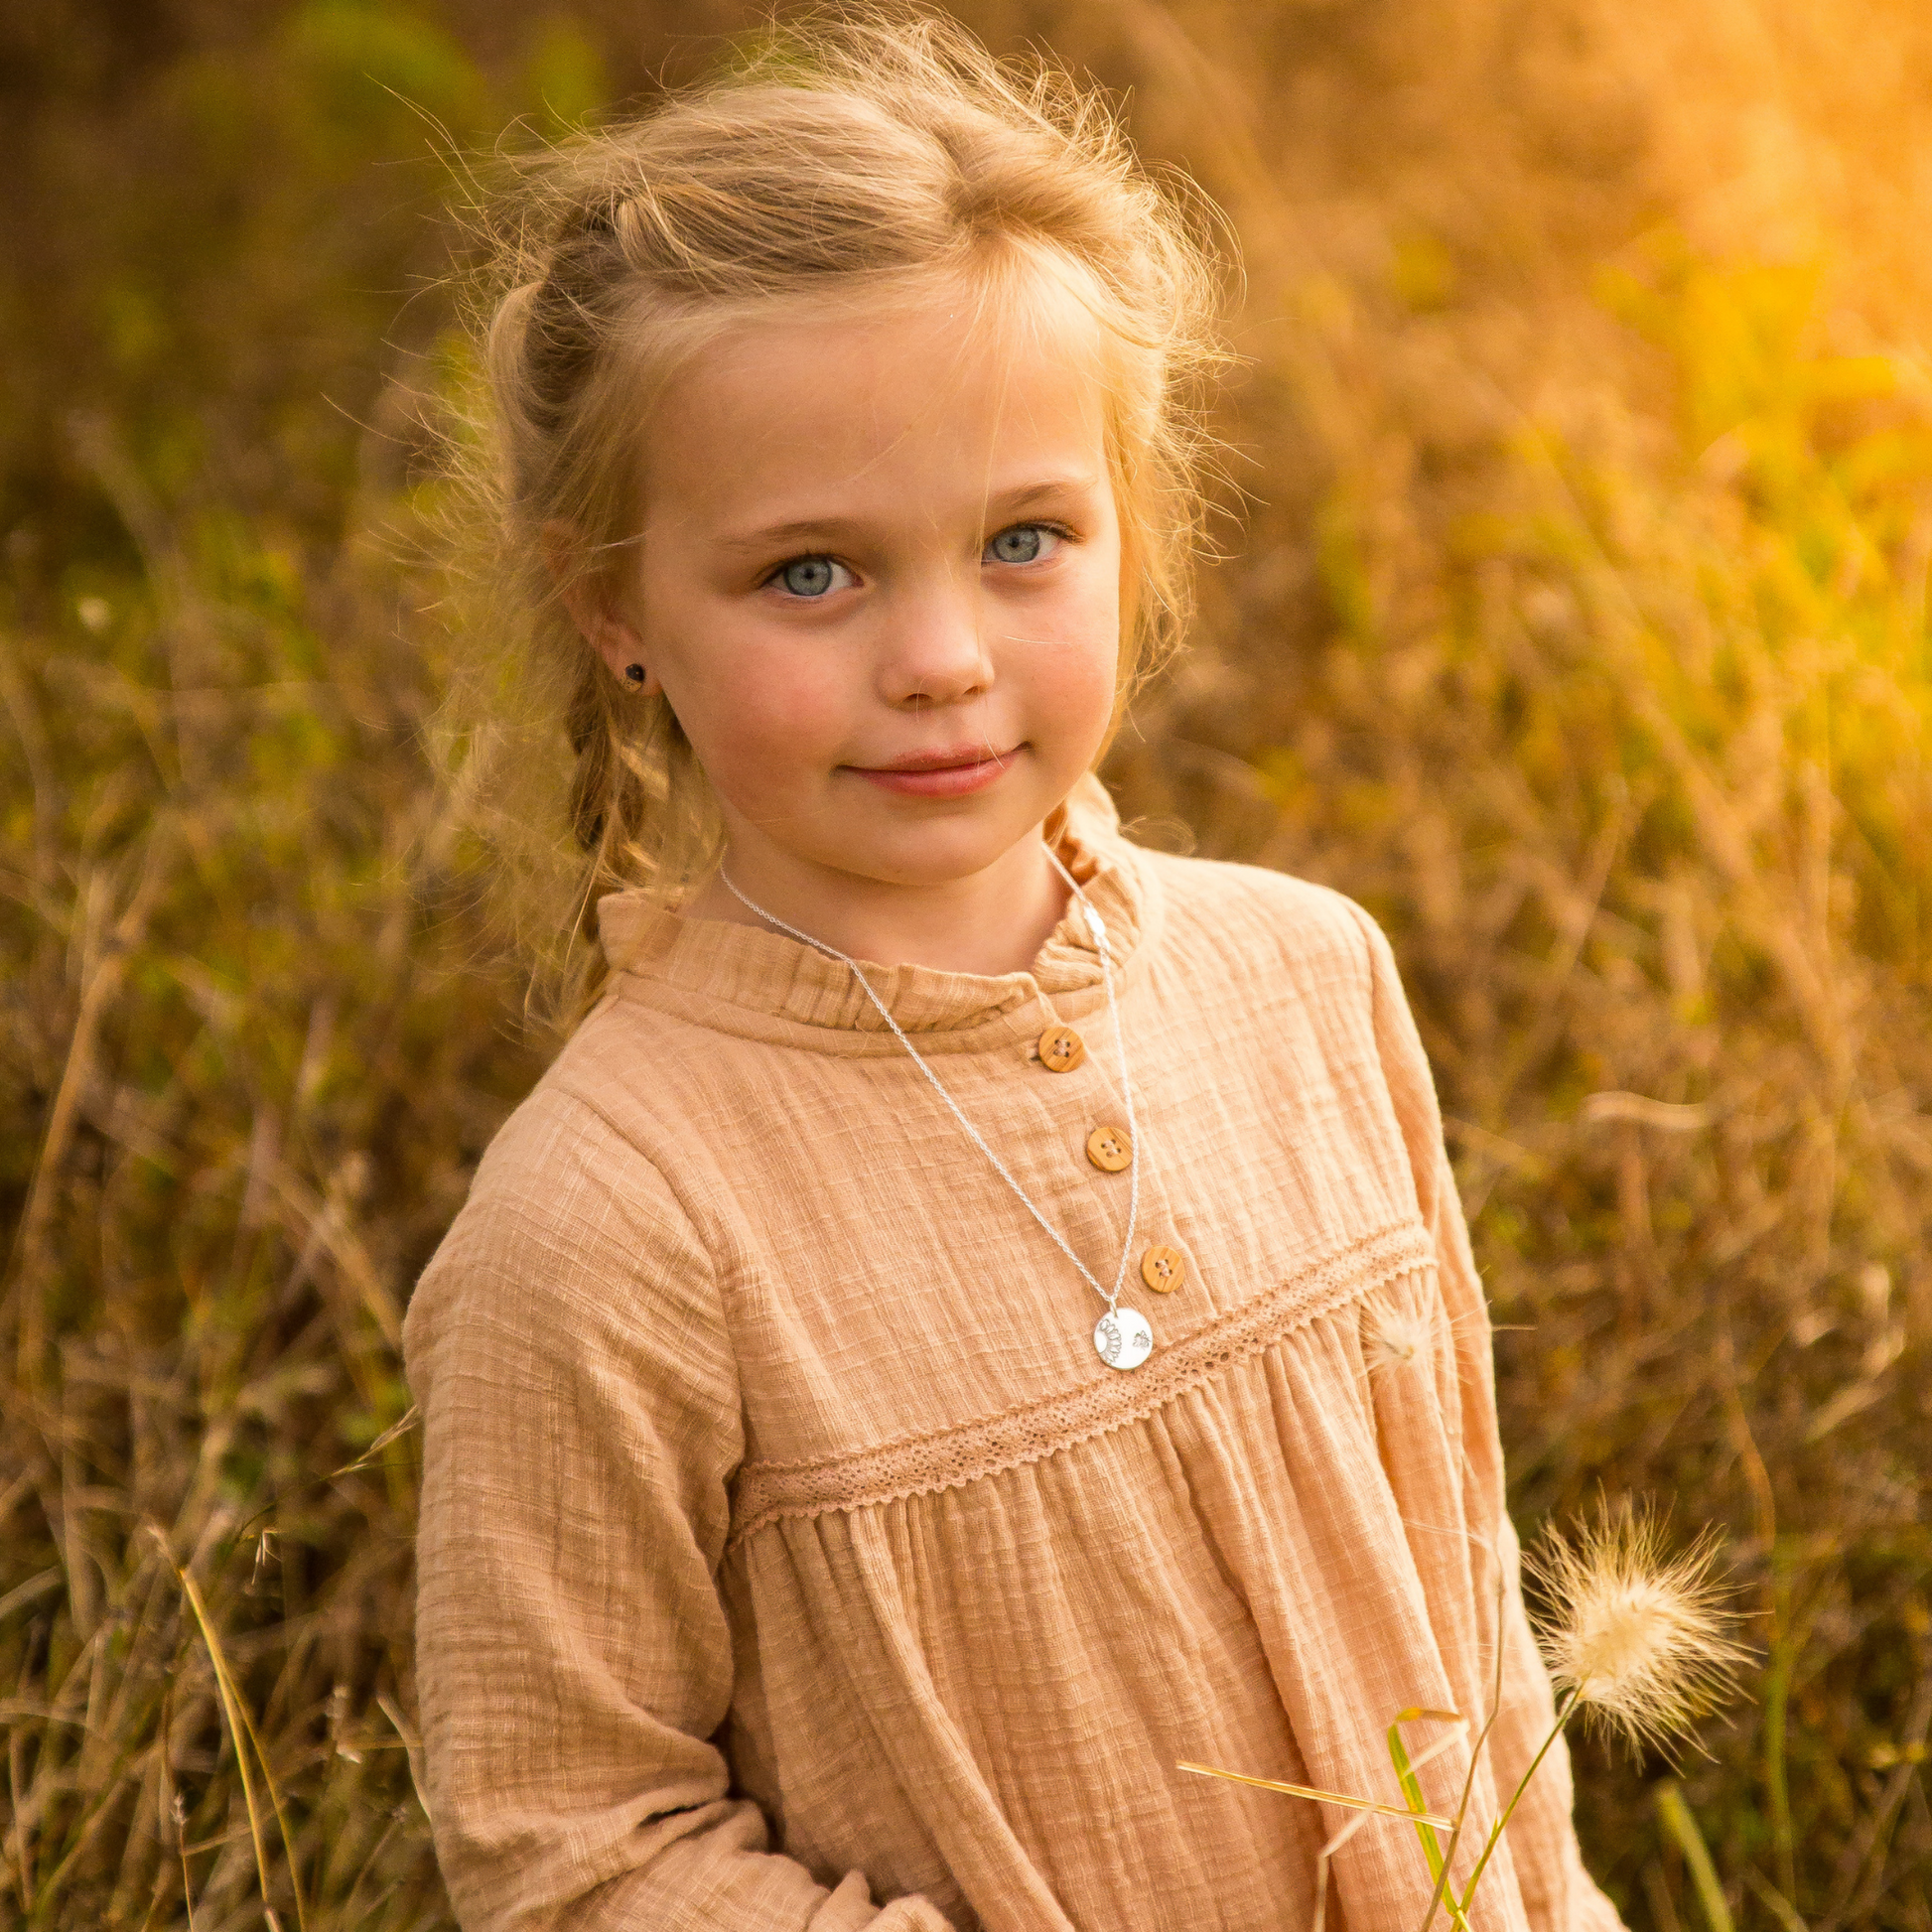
column 586, row 599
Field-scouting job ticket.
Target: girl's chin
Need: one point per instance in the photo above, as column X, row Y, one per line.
column 943, row 851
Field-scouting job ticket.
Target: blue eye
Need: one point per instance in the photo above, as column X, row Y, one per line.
column 808, row 576
column 1024, row 543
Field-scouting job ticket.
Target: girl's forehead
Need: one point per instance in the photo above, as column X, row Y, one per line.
column 943, row 397
column 950, row 345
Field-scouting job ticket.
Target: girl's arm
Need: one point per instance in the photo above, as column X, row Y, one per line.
column 580, row 1424
column 1559, row 1894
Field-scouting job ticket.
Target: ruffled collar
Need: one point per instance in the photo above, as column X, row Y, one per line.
column 744, row 980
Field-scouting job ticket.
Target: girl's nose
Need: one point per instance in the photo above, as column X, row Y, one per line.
column 934, row 650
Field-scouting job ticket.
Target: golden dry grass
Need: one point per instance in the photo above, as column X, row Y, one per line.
column 1578, row 628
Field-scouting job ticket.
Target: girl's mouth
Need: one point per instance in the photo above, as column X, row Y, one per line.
column 940, row 774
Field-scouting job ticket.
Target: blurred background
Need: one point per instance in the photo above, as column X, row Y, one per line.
column 1572, row 616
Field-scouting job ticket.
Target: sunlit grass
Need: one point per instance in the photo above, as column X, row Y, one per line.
column 1579, row 631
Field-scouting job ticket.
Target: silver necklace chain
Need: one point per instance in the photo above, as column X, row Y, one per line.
column 1099, row 933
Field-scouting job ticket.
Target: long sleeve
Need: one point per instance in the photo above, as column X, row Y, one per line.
column 1558, row 1892
column 581, row 1422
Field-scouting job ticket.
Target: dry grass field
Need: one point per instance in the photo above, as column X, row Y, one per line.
column 1573, row 617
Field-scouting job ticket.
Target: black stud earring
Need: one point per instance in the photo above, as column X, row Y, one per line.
column 635, row 672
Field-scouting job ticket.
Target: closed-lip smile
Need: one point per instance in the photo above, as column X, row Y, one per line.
column 950, row 772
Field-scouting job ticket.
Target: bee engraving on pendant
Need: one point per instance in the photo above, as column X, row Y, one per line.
column 1122, row 1339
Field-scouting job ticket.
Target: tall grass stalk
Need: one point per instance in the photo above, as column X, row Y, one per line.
column 1683, row 1830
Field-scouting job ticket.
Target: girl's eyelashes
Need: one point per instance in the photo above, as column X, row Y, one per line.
column 1024, row 543
column 812, row 577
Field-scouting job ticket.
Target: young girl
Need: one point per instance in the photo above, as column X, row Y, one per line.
column 978, row 1312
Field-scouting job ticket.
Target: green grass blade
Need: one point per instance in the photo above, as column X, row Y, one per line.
column 1411, row 1786
column 1425, row 1831
column 1676, row 1818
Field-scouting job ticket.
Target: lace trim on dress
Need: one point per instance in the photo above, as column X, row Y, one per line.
column 768, row 1492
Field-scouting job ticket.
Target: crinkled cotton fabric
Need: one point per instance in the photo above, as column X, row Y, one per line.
column 788, row 1558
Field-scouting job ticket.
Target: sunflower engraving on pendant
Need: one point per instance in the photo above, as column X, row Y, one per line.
column 1122, row 1339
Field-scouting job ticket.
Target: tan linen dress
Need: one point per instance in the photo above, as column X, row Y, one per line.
column 786, row 1546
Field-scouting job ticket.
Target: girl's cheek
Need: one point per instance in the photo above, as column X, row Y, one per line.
column 771, row 724
column 1075, row 673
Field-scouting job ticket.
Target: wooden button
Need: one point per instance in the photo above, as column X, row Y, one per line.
column 1163, row 1269
column 1109, row 1148
column 1061, row 1049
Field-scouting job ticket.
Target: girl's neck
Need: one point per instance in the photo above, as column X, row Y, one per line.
column 989, row 923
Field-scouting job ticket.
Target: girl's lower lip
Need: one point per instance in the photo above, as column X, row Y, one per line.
column 940, row 781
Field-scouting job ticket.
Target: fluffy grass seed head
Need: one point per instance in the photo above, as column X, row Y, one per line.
column 1642, row 1638
column 1392, row 1337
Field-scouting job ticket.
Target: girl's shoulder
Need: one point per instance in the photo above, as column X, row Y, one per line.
column 569, row 1230
column 1233, row 919
column 1248, row 940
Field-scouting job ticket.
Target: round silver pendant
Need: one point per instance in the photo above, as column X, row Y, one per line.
column 1123, row 1339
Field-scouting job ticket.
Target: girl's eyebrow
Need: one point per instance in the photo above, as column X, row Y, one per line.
column 1002, row 504
column 1055, row 489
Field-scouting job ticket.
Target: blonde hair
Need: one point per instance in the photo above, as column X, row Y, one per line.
column 847, row 157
